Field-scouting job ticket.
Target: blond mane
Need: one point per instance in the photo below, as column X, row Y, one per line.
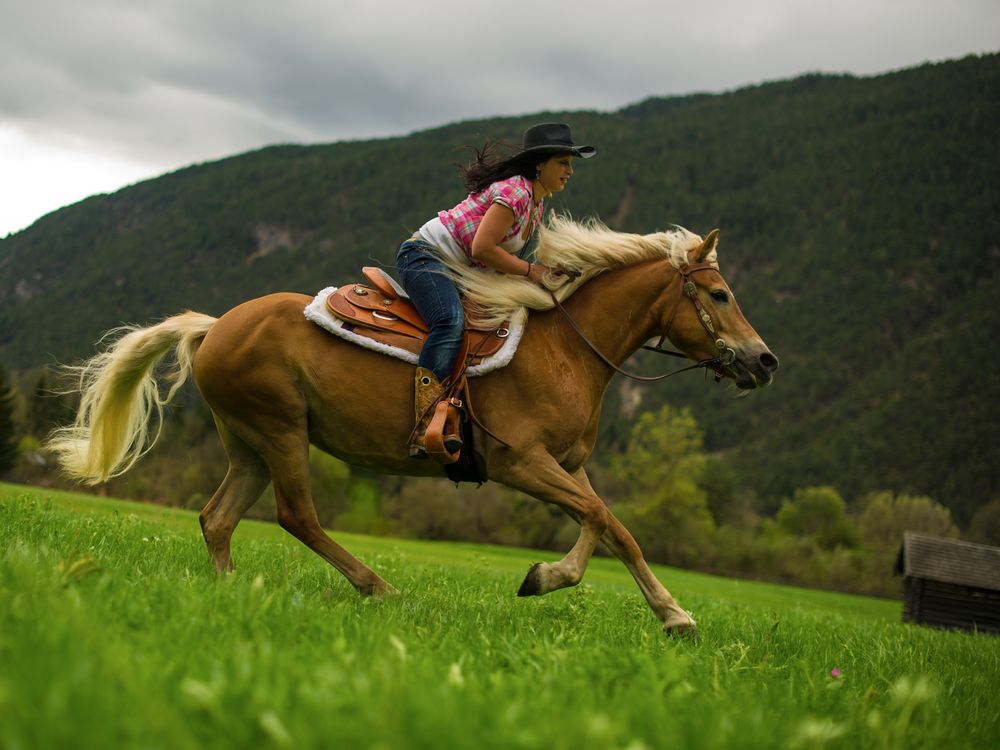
column 588, row 247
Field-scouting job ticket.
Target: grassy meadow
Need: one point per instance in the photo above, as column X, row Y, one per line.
column 115, row 633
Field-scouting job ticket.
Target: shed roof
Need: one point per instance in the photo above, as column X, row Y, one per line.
column 949, row 561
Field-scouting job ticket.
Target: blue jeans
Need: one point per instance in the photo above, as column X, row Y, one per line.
column 436, row 299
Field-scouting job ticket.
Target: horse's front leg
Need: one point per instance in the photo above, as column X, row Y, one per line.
column 539, row 475
column 623, row 546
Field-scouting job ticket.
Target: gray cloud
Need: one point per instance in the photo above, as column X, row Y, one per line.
column 175, row 81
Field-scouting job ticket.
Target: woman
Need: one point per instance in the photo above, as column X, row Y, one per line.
column 487, row 229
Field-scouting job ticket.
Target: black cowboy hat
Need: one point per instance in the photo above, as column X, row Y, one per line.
column 553, row 138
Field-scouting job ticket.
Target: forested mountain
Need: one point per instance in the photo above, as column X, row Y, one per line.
column 860, row 229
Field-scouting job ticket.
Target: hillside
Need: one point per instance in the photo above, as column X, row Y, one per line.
column 860, row 230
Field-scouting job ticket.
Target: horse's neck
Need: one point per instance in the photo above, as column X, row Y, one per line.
column 622, row 309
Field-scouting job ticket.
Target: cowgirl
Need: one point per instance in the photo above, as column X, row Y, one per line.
column 487, row 229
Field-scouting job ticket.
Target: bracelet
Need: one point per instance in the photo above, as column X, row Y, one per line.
column 528, row 272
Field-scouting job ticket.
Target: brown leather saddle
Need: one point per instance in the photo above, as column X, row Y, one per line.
column 380, row 310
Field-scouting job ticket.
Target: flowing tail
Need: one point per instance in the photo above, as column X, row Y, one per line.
column 118, row 394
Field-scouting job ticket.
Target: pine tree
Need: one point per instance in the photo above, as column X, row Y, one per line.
column 8, row 432
column 46, row 408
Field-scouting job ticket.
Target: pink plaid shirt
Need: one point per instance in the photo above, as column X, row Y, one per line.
column 515, row 192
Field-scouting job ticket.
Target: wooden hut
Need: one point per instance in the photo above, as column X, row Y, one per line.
column 950, row 584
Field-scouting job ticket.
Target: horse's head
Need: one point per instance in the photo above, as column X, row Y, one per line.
column 707, row 324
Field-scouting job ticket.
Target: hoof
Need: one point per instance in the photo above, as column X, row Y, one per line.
column 385, row 594
column 682, row 628
column 387, row 590
column 379, row 591
column 532, row 584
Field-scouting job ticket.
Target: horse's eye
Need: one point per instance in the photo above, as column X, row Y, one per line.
column 720, row 296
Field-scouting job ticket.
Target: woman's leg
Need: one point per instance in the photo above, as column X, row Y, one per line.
column 437, row 300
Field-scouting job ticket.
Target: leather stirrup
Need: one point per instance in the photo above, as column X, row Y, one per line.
column 441, row 439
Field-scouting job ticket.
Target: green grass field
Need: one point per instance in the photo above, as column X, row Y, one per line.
column 115, row 633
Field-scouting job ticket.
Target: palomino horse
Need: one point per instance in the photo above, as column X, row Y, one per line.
column 276, row 383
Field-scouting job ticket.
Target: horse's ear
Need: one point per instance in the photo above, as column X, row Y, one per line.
column 708, row 245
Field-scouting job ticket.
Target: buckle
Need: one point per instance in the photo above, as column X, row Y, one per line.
column 455, row 401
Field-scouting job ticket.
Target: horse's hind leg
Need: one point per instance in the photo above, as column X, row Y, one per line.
column 245, row 480
column 288, row 459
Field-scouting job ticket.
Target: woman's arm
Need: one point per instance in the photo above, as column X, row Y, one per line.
column 495, row 225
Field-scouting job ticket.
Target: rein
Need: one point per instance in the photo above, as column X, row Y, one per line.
column 726, row 356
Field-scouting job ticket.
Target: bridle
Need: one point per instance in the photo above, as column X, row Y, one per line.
column 719, row 363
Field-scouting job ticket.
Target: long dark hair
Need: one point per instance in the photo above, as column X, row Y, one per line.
column 494, row 162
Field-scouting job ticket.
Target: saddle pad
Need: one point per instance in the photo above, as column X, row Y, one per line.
column 405, row 345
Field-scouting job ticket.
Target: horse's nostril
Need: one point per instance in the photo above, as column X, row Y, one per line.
column 768, row 361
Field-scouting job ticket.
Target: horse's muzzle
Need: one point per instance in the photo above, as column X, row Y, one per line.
column 754, row 371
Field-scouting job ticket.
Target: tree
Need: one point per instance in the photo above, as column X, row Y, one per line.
column 985, row 524
column 662, row 497
column 886, row 517
column 818, row 513
column 46, row 408
column 727, row 501
column 8, row 430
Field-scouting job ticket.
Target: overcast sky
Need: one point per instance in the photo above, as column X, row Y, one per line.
column 97, row 94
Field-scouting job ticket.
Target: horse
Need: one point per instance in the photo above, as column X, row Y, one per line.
column 276, row 383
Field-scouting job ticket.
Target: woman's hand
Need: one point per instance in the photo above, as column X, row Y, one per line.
column 538, row 271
